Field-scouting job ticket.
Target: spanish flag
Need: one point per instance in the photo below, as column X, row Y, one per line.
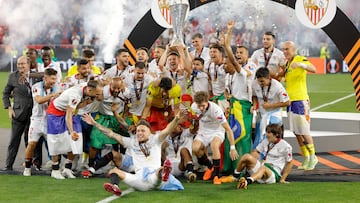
column 240, row 120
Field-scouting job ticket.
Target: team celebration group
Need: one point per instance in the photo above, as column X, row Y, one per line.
column 206, row 114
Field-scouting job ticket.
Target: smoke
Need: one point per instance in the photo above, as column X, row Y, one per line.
column 110, row 20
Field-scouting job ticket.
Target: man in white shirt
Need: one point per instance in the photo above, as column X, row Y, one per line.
column 237, row 92
column 212, row 126
column 145, row 149
column 64, row 130
column 153, row 68
column 122, row 68
column 43, row 92
column 48, row 63
column 177, row 149
column 269, row 56
column 270, row 97
column 200, row 51
column 277, row 162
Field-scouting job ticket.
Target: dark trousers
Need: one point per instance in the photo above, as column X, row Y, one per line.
column 19, row 128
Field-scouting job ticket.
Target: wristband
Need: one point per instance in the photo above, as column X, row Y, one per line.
column 232, row 147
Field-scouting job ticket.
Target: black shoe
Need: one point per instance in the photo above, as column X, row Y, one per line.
column 8, row 169
column 37, row 168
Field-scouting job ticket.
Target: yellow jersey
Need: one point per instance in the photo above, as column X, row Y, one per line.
column 296, row 80
column 154, row 94
column 73, row 70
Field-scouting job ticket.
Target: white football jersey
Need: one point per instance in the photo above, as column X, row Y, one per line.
column 141, row 89
column 277, row 93
column 39, row 110
column 211, row 120
column 276, row 154
column 109, row 99
column 179, row 142
column 53, row 65
column 200, row 82
column 217, row 74
column 70, row 97
column 276, row 60
column 152, row 148
column 237, row 85
column 205, row 54
column 115, row 72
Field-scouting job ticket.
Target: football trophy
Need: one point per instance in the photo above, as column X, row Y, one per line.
column 178, row 10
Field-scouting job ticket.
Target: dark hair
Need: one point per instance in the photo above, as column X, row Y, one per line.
column 262, row 72
column 197, row 35
column 121, row 50
column 201, row 96
column 82, row 61
column 88, row 53
column 92, row 83
column 143, row 48
column 165, row 83
column 140, row 65
column 275, row 129
column 143, row 122
column 46, row 48
column 33, row 49
column 199, row 59
column 218, row 47
column 270, row 33
column 50, row 71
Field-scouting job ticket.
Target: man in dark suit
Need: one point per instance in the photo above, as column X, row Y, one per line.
column 18, row 87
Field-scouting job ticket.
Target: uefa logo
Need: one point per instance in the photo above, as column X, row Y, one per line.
column 315, row 14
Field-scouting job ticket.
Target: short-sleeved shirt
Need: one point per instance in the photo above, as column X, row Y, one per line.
column 39, row 110
column 115, row 72
column 153, row 146
column 278, row 155
column 70, row 97
column 217, row 74
column 276, row 60
column 296, row 80
column 53, row 65
column 211, row 120
column 237, row 84
column 109, row 99
column 276, row 94
column 141, row 90
column 154, row 94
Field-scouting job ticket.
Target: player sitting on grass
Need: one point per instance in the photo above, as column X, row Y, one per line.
column 146, row 154
column 276, row 164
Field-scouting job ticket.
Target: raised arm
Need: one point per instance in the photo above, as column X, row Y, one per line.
column 228, row 49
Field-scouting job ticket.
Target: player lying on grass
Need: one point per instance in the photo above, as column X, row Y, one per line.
column 276, row 164
column 145, row 150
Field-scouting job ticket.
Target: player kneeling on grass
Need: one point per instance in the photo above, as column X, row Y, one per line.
column 276, row 164
column 177, row 148
column 145, row 149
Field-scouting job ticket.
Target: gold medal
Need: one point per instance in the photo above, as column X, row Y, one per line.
column 147, row 158
column 129, row 105
column 138, row 102
column 166, row 113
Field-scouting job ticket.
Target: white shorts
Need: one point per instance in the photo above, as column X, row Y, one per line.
column 62, row 143
column 143, row 180
column 175, row 167
column 208, row 138
column 270, row 180
column 37, row 129
column 299, row 117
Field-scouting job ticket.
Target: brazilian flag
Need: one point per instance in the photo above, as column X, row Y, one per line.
column 240, row 120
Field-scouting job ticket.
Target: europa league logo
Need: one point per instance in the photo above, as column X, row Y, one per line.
column 178, row 10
